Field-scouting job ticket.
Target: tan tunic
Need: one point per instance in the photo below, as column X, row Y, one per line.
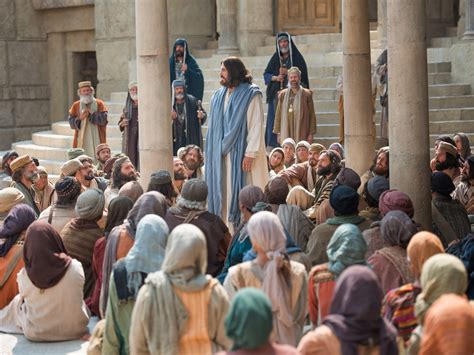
column 54, row 314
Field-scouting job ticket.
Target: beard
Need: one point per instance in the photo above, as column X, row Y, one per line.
column 179, row 96
column 324, row 170
column 127, row 178
column 381, row 171
column 179, row 53
column 33, row 177
column 179, row 175
column 294, row 84
column 441, row 166
column 134, row 97
column 284, row 50
column 224, row 82
column 86, row 99
column 192, row 165
column 312, row 162
column 89, row 177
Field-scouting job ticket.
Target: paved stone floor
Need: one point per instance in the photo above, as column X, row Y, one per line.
column 19, row 345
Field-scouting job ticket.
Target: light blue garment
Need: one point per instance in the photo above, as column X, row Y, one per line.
column 148, row 251
column 347, row 247
column 227, row 134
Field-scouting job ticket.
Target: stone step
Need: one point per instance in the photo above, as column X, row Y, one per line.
column 310, row 48
column 204, row 53
column 435, row 55
column 442, row 42
column 49, row 139
column 62, row 128
column 318, row 38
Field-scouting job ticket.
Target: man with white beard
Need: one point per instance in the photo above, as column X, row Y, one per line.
column 88, row 119
column 128, row 125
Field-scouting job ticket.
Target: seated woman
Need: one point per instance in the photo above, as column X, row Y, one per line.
column 448, row 327
column 391, row 263
column 249, row 325
column 347, row 247
column 441, row 274
column 179, row 309
column 354, row 325
column 129, row 275
column 282, row 280
column 399, row 303
column 50, row 304
column 12, row 235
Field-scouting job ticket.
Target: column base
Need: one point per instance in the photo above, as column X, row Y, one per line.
column 228, row 50
column 468, row 36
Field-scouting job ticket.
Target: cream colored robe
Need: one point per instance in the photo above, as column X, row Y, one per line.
column 259, row 175
column 54, row 314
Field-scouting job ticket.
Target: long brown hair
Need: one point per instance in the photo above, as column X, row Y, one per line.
column 237, row 72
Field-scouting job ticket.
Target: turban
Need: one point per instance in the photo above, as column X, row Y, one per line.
column 377, row 185
column 178, row 83
column 133, row 84
column 90, row 204
column 70, row 167
column 84, row 84
column 344, row 200
column 394, row 200
column 161, row 177
column 9, row 197
column 74, row 153
column 441, row 183
column 194, row 190
column 316, row 147
column 67, row 187
column 448, row 149
column 348, row 177
column 283, row 36
column 20, row 162
column 8, row 155
column 101, row 147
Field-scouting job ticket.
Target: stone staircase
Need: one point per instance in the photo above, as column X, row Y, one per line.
column 451, row 104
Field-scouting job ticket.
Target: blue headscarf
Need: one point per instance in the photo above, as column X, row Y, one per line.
column 148, row 251
column 347, row 247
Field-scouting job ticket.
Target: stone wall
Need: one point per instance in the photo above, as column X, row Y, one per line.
column 24, row 95
column 254, row 23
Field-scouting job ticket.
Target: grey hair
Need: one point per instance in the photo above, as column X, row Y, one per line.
column 192, row 205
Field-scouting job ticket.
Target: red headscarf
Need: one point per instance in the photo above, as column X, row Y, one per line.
column 46, row 259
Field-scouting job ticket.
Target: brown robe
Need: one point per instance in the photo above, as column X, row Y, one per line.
column 307, row 113
column 74, row 113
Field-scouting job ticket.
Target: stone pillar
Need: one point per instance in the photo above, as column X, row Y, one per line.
column 227, row 20
column 359, row 143
column 154, row 104
column 58, row 81
column 469, row 20
column 382, row 23
column 408, row 104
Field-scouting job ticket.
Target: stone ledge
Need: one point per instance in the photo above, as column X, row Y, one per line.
column 58, row 4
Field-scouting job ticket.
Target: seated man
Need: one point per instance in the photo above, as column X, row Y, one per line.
column 446, row 161
column 380, row 167
column 464, row 192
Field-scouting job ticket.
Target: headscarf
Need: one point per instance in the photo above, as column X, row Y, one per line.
column 90, row 204
column 132, row 189
column 465, row 145
column 147, row 252
column 281, row 151
column 441, row 274
column 46, row 259
column 355, row 316
column 347, row 247
column 348, row 177
column 250, row 195
column 421, row 247
column 149, row 203
column 117, row 212
column 185, row 260
column 395, row 200
column 442, row 183
column 18, row 220
column 266, row 231
column 338, row 148
column 249, row 322
column 397, row 228
column 448, row 327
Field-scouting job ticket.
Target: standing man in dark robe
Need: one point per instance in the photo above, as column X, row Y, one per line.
column 187, row 116
column 183, row 66
column 128, row 125
column 276, row 78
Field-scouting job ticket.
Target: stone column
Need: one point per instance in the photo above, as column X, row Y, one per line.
column 58, row 81
column 359, row 143
column 227, row 20
column 408, row 104
column 469, row 20
column 382, row 23
column 154, row 104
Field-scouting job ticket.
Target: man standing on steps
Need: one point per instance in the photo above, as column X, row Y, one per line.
column 187, row 116
column 88, row 119
column 295, row 117
column 183, row 66
column 235, row 145
column 128, row 125
column 275, row 76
